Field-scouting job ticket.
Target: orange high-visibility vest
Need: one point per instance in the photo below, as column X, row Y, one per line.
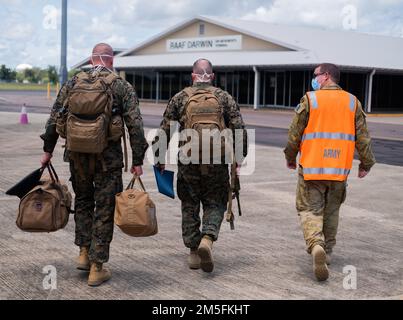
column 328, row 142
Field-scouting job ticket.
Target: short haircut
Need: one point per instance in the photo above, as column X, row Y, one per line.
column 102, row 49
column 332, row 70
column 198, row 70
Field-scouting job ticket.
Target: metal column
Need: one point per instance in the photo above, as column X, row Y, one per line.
column 256, row 102
column 157, row 89
column 63, row 51
column 371, row 77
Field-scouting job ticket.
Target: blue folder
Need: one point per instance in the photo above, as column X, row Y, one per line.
column 165, row 182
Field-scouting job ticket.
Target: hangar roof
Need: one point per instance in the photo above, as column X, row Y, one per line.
column 305, row 46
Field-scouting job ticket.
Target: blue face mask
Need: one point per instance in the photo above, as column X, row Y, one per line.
column 315, row 84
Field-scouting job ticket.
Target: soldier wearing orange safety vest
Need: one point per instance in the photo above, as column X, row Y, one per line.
column 328, row 126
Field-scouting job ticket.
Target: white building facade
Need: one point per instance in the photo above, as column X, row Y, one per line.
column 265, row 65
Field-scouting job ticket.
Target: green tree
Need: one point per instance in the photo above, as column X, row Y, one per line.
column 20, row 76
column 6, row 74
column 29, row 75
column 13, row 75
column 52, row 75
column 34, row 75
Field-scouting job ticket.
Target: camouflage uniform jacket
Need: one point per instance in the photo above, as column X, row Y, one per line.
column 300, row 121
column 175, row 111
column 125, row 100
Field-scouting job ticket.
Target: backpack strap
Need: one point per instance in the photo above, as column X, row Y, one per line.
column 107, row 83
column 213, row 90
column 189, row 91
column 110, row 78
column 82, row 75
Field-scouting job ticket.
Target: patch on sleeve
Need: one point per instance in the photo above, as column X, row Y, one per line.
column 299, row 108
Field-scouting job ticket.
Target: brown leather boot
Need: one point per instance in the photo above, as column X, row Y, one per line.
column 98, row 275
column 205, row 254
column 319, row 263
column 194, row 259
column 83, row 262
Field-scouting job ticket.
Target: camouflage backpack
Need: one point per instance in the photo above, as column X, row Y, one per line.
column 203, row 112
column 88, row 113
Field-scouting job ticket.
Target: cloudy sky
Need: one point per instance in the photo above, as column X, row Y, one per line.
column 30, row 30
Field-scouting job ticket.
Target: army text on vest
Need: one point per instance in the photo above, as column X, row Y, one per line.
column 328, row 142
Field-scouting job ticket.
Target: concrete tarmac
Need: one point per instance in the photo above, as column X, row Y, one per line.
column 263, row 258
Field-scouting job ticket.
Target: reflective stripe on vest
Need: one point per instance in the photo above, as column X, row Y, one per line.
column 328, row 142
column 352, row 102
column 328, row 135
column 312, row 97
column 331, row 171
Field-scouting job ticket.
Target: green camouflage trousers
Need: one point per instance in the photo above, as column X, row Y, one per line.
column 318, row 203
column 208, row 185
column 95, row 206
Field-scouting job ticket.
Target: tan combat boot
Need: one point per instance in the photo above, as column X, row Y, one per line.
column 194, row 259
column 98, row 275
column 205, row 254
column 319, row 263
column 328, row 258
column 83, row 262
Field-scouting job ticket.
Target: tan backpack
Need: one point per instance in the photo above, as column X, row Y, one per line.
column 135, row 212
column 46, row 208
column 85, row 124
column 203, row 111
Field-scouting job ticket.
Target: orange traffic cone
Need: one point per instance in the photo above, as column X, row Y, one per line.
column 24, row 115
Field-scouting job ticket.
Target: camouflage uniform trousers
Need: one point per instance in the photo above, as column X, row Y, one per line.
column 318, row 203
column 208, row 184
column 94, row 206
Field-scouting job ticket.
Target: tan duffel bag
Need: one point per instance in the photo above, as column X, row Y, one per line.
column 46, row 208
column 135, row 212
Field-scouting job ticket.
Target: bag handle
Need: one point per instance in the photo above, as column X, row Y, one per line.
column 133, row 181
column 52, row 172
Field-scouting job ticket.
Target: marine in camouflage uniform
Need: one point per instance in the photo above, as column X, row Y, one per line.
column 318, row 201
column 207, row 184
column 95, row 188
